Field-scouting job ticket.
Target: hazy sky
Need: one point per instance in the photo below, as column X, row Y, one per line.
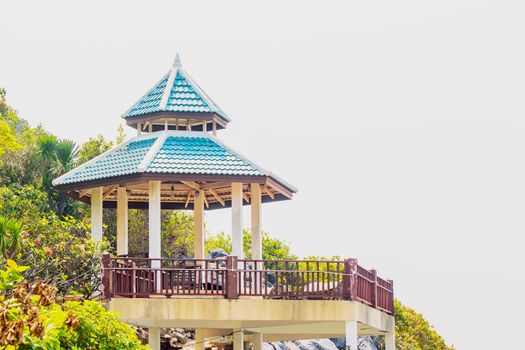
column 401, row 123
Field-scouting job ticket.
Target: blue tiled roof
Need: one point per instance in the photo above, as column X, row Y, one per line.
column 150, row 102
column 199, row 155
column 181, row 152
column 184, row 96
column 122, row 160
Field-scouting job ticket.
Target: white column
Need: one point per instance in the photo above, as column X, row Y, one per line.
column 154, row 222
column 96, row 213
column 237, row 219
column 390, row 341
column 351, row 335
column 199, row 339
column 238, row 339
column 154, row 338
column 198, row 223
column 214, row 128
column 122, row 221
column 257, row 340
column 139, row 129
column 255, row 202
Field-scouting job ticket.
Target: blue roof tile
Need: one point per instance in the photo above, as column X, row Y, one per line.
column 184, row 96
column 180, row 153
column 122, row 160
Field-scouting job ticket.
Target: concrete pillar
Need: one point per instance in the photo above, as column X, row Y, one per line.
column 198, row 223
column 214, row 128
column 256, row 221
column 199, row 339
column 390, row 341
column 96, row 213
column 237, row 219
column 154, row 222
column 139, row 129
column 257, row 340
column 238, row 339
column 122, row 221
column 351, row 335
column 154, row 338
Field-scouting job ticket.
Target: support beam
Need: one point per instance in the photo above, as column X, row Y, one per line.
column 214, row 128
column 238, row 339
column 198, row 217
column 122, row 221
column 192, row 184
column 139, row 129
column 154, row 338
column 351, row 335
column 269, row 192
column 216, row 196
column 256, row 221
column 390, row 341
column 257, row 340
column 154, row 222
column 237, row 219
column 96, row 213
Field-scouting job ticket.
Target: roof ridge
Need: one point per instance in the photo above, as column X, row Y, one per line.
column 203, row 94
column 146, row 161
column 219, row 141
column 167, row 89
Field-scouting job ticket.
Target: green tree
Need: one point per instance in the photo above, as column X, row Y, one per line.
column 31, row 319
column 414, row 332
column 10, row 232
column 93, row 147
column 272, row 248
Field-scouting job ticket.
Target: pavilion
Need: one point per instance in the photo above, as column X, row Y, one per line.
column 176, row 161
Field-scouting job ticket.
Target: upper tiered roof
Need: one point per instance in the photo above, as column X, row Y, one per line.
column 176, row 101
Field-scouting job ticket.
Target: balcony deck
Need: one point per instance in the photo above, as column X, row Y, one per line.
column 233, row 278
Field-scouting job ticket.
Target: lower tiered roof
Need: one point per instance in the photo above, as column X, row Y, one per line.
column 184, row 162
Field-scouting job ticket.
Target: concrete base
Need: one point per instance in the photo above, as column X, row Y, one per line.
column 274, row 319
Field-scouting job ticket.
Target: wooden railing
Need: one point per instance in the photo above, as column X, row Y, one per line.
column 232, row 278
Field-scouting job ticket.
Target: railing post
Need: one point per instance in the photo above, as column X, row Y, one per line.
column 374, row 288
column 350, row 280
column 391, row 296
column 106, row 276
column 133, row 278
column 231, row 277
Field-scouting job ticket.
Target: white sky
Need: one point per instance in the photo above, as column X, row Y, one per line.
column 401, row 123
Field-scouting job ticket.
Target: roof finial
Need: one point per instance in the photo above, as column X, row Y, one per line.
column 177, row 63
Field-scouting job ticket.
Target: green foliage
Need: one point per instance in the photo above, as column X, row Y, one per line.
column 11, row 276
column 31, row 319
column 98, row 329
column 414, row 332
column 60, row 250
column 65, row 157
column 92, row 148
column 10, row 231
column 272, row 248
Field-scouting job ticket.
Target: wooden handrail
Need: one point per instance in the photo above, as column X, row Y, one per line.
column 232, row 277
